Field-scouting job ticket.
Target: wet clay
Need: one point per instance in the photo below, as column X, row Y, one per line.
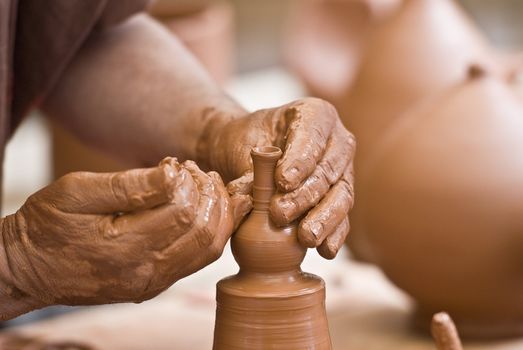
column 444, row 332
column 314, row 177
column 96, row 238
column 270, row 303
column 442, row 200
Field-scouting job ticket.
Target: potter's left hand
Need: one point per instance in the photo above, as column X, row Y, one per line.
column 314, row 176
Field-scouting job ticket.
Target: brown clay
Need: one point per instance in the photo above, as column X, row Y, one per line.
column 314, row 176
column 425, row 47
column 93, row 238
column 270, row 303
column 441, row 204
column 207, row 30
column 444, row 332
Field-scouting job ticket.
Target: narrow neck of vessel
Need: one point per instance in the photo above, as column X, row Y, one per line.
column 264, row 161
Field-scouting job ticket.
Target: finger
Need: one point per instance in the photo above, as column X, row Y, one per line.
column 160, row 226
column 214, row 219
column 241, row 185
column 241, row 206
column 331, row 245
column 205, row 241
column 107, row 193
column 322, row 221
column 287, row 207
column 310, row 122
column 340, row 151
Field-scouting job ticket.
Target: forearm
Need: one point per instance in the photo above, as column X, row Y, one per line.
column 136, row 92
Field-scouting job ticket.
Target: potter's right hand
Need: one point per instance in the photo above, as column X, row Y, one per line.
column 93, row 238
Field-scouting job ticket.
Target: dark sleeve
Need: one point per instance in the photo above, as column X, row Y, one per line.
column 48, row 35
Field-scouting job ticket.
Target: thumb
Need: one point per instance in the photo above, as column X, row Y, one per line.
column 241, row 185
column 241, row 206
column 240, row 191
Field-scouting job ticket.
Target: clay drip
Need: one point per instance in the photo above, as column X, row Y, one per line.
column 270, row 303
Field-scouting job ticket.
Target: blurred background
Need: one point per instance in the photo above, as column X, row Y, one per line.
column 250, row 56
column 245, row 46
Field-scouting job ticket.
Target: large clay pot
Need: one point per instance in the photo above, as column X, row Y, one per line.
column 441, row 204
column 206, row 28
column 326, row 38
column 425, row 47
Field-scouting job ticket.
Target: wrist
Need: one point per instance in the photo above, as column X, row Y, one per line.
column 13, row 301
column 216, row 121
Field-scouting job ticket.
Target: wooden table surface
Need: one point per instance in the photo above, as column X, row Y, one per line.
column 365, row 313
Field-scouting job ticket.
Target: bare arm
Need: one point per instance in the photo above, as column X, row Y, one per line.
column 135, row 91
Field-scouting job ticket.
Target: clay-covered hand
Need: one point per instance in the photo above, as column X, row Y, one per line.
column 93, row 238
column 314, row 176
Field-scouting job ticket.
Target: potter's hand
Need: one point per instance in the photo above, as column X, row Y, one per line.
column 95, row 238
column 314, row 176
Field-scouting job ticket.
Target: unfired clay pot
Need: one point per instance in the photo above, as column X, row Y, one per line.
column 206, row 28
column 271, row 303
column 326, row 38
column 441, row 204
column 423, row 48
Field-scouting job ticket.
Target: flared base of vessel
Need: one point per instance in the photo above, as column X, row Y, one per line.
column 271, row 312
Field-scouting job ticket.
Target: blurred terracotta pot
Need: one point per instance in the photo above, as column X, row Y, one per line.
column 206, row 28
column 326, row 38
column 171, row 8
column 423, row 48
column 441, row 204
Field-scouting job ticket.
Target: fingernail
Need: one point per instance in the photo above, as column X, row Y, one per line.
column 289, row 177
column 287, row 209
column 316, row 229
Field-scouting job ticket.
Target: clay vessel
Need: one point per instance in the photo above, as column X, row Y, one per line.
column 425, row 47
column 270, row 303
column 206, row 28
column 326, row 39
column 441, row 204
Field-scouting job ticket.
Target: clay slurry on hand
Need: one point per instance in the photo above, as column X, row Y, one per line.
column 270, row 303
column 92, row 238
column 314, row 176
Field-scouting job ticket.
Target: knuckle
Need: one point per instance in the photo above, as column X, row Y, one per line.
column 104, row 228
column 69, row 182
column 185, row 215
column 215, row 251
column 205, row 237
